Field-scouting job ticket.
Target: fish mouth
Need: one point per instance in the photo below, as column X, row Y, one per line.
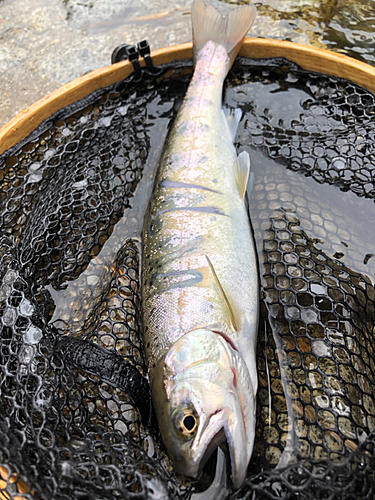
column 222, row 426
column 216, row 441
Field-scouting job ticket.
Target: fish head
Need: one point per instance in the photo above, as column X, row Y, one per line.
column 203, row 395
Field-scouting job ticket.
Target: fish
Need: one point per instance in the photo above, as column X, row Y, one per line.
column 199, row 285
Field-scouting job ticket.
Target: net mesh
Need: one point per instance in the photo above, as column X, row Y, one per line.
column 76, row 418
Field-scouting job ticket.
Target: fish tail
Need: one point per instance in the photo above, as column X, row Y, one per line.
column 229, row 31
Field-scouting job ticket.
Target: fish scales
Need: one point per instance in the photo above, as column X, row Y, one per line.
column 199, row 276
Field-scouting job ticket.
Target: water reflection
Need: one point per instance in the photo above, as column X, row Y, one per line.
column 337, row 221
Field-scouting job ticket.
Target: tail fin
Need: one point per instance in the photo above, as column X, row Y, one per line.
column 229, row 31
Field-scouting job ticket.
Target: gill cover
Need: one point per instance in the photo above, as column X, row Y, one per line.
column 203, row 394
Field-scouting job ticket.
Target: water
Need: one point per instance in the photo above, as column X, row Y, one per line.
column 51, row 42
column 337, row 220
column 338, row 224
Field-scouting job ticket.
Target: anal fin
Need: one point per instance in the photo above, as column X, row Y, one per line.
column 242, row 171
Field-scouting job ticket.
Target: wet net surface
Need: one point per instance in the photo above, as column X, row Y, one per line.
column 76, row 420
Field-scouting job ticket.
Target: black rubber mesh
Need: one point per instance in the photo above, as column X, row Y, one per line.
column 75, row 415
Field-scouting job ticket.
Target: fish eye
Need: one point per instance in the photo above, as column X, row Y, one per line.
column 185, row 422
column 189, row 422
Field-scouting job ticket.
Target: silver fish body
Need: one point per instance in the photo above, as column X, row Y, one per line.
column 199, row 276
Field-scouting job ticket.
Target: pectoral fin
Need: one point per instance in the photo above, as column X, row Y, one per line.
column 242, row 171
column 233, row 314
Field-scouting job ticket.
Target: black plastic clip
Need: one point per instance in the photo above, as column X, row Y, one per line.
column 132, row 53
column 133, row 56
column 145, row 51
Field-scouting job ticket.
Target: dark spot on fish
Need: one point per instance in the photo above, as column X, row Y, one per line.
column 214, row 181
column 338, row 255
column 207, row 210
column 175, row 253
column 175, row 184
column 345, row 244
column 177, row 279
column 154, row 225
column 148, row 344
column 367, row 257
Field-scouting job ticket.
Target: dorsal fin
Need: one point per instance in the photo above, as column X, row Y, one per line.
column 230, row 307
